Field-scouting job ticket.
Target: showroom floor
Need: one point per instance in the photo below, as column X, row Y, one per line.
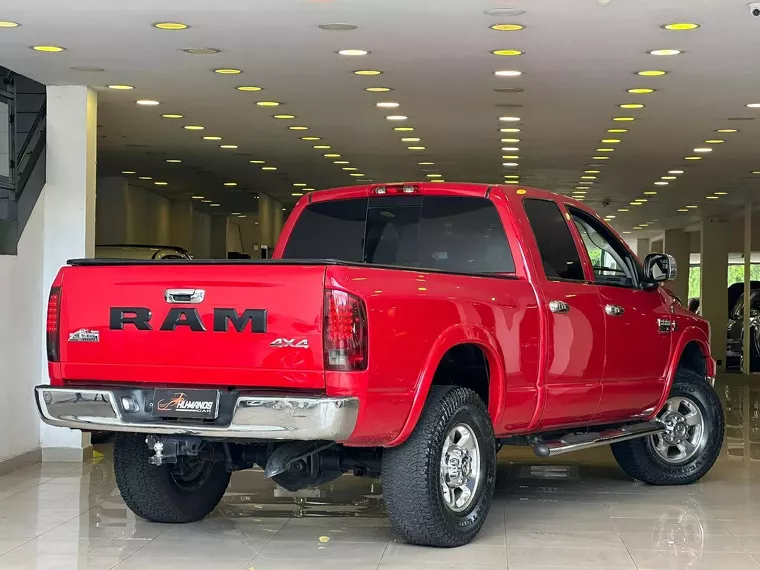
column 580, row 512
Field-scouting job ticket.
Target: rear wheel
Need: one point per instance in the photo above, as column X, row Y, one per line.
column 180, row 493
column 691, row 443
column 439, row 483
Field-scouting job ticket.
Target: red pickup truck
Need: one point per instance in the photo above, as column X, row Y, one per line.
column 408, row 330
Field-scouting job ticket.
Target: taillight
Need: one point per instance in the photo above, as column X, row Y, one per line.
column 54, row 325
column 345, row 332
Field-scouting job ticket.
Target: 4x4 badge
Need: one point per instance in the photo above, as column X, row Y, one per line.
column 289, row 343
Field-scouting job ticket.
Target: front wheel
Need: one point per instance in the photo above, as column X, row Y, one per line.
column 439, row 483
column 181, row 493
column 691, row 443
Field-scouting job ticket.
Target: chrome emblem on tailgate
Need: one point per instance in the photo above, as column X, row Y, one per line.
column 84, row 335
column 289, row 343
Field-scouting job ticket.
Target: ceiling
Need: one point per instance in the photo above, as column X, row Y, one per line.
column 579, row 59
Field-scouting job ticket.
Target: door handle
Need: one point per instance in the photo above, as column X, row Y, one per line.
column 184, row 296
column 614, row 310
column 558, row 307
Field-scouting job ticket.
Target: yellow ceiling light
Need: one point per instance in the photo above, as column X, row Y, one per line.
column 510, row 149
column 727, row 131
column 712, row 197
column 588, row 177
column 49, row 49
column 268, row 103
column 692, row 158
column 194, row 127
column 228, row 71
column 228, row 146
column 230, row 183
column 311, row 139
column 640, row 91
column 426, row 163
column 121, row 87
column 600, row 157
column 269, row 168
column 705, row 149
column 683, row 210
column 652, row 73
column 308, row 189
column 173, row 116
column 692, row 207
column 507, row 73
column 721, row 193
column 299, row 128
column 397, row 117
column 357, row 174
column 341, row 162
column 617, row 130
column 753, row 105
column 296, row 194
column 509, row 130
column 331, row 155
column 680, row 26
column 257, row 161
column 605, row 150
column 434, row 175
column 368, row 72
column 403, row 129
column 510, row 157
column 507, row 52
column 411, row 139
column 378, row 89
column 161, row 183
column 507, row 27
column 669, row 177
column 623, row 119
column 416, row 147
column 353, row 52
column 631, row 106
column 665, row 52
column 197, row 197
column 623, row 210
column 173, row 160
column 322, row 146
column 510, row 140
column 283, row 116
column 300, row 185
column 650, row 193
column 714, row 141
column 7, row 24
column 215, row 205
column 147, row 102
column 212, row 138
column 350, row 168
column 146, row 178
column 610, row 141
column 248, row 88
column 661, row 183
column 592, row 171
column 128, row 172
column 170, row 26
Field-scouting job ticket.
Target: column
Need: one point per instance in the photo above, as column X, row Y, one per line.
column 714, row 284
column 68, row 229
column 181, row 224
column 270, row 220
column 678, row 244
column 642, row 248
column 218, row 237
column 278, row 221
column 112, row 219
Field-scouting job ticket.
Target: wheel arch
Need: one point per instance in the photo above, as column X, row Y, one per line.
column 456, row 338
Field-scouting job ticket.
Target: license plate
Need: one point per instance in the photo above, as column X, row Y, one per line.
column 197, row 404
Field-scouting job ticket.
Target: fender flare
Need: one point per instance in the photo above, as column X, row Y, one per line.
column 448, row 339
column 689, row 335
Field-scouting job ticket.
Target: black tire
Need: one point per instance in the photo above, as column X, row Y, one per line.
column 641, row 461
column 153, row 493
column 411, row 472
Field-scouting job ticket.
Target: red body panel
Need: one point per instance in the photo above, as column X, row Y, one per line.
column 546, row 370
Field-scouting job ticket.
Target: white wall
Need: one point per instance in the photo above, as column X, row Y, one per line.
column 129, row 214
column 201, row 235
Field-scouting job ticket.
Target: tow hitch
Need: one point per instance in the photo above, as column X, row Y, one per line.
column 168, row 449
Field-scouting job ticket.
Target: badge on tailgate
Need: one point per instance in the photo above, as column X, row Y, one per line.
column 198, row 404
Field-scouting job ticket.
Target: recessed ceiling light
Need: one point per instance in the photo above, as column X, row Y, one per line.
column 268, row 103
column 283, row 116
column 368, row 72
column 753, row 105
column 727, row 131
column 506, row 130
column 228, row 146
column 197, row 197
column 212, row 138
column 610, row 141
column 357, row 174
column 173, row 160
column 510, row 119
column 600, row 157
column 640, row 91
column 270, row 168
column 403, row 129
column 416, row 147
column 48, row 49
column 146, row 178
column 172, row 116
column 617, row 130
column 510, row 164
column 592, row 171
column 341, row 162
column 311, row 138
column 426, row 163
column 510, row 140
column 507, row 27
column 631, row 106
column 675, row 171
column 652, row 73
column 206, row 201
column 298, row 128
column 588, row 177
column 248, row 88
column 715, row 141
column 160, row 183
column 214, row 205
column 692, row 158
column 680, row 26
column 257, row 161
column 510, row 149
column 128, row 172
column 650, row 193
column 230, row 184
column 228, row 71
column 411, row 139
column 605, row 150
column 147, row 102
column 300, row 185
column 623, row 119
column 692, row 207
column 706, row 149
column 623, row 210
column 683, row 210
column 507, row 73
column 510, row 157
column 296, row 194
column 721, row 193
column 194, row 127
column 665, row 52
column 119, row 87
column 350, row 169
column 669, row 177
column 712, row 197
column 507, row 52
column 338, row 27
column 331, row 155
column 353, row 52
column 661, row 183
column 755, row 172
column 201, row 51
column 7, row 24
column 322, row 146
column 378, row 89
column 397, row 117
column 387, row 104
column 170, row 26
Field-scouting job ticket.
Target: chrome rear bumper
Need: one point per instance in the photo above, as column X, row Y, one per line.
column 257, row 417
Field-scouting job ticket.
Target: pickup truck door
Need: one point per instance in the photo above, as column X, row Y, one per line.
column 575, row 333
column 637, row 324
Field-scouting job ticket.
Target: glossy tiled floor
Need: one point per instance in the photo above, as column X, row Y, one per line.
column 581, row 513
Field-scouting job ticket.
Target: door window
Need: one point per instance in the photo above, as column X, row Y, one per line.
column 611, row 262
column 555, row 242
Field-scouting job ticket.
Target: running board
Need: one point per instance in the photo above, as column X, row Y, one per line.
column 579, row 441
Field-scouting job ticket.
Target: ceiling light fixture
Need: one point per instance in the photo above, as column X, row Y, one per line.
column 172, row 116
column 503, row 130
column 510, row 140
column 337, row 27
column 652, row 73
column 119, row 87
column 675, row 171
column 298, row 128
column 268, row 103
column 7, row 24
column 230, row 184
column 706, row 149
column 665, row 52
column 170, row 26
column 727, row 131
column 387, row 104
column 322, row 146
column 341, row 162
column 507, row 27
column 194, row 127
column 147, row 102
column 411, row 139
column 692, row 158
column 509, row 119
column 257, row 161
column 610, row 141
column 197, row 197
column 640, row 91
column 228, row 71
column 631, row 106
column 617, row 130
column 331, row 155
column 509, row 148
column 128, row 172
column 510, row 164
column 357, row 174
column 368, row 72
column 623, row 119
column 353, row 52
column 201, row 51
column 661, row 183
column 49, row 49
column 397, row 117
column 249, row 88
column 146, row 178
column 173, row 160
column 212, row 138
column 403, row 129
column 680, row 26
column 669, row 177
column 507, row 73
column 416, row 148
column 600, row 157
column 715, row 141
column 269, row 168
column 283, row 116
column 507, row 52
column 161, row 183
column 378, row 89
column 228, row 146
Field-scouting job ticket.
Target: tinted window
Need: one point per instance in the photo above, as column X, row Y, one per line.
column 555, row 242
column 460, row 235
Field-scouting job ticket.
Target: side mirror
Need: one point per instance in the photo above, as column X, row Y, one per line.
column 659, row 268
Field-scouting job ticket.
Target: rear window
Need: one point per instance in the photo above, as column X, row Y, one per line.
column 455, row 234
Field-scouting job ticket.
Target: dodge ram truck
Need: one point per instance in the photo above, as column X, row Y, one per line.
column 400, row 330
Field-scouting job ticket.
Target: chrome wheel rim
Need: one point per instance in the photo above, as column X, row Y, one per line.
column 685, row 433
column 460, row 468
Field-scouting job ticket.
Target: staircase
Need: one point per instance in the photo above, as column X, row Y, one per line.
column 22, row 154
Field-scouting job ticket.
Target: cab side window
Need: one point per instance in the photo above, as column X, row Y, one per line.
column 559, row 255
column 611, row 262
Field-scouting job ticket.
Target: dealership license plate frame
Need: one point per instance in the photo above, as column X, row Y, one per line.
column 170, row 400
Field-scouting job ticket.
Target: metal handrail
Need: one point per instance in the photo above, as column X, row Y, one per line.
column 31, row 150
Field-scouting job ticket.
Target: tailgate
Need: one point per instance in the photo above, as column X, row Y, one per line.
column 236, row 325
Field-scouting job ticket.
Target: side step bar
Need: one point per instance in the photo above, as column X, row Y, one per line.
column 579, row 441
